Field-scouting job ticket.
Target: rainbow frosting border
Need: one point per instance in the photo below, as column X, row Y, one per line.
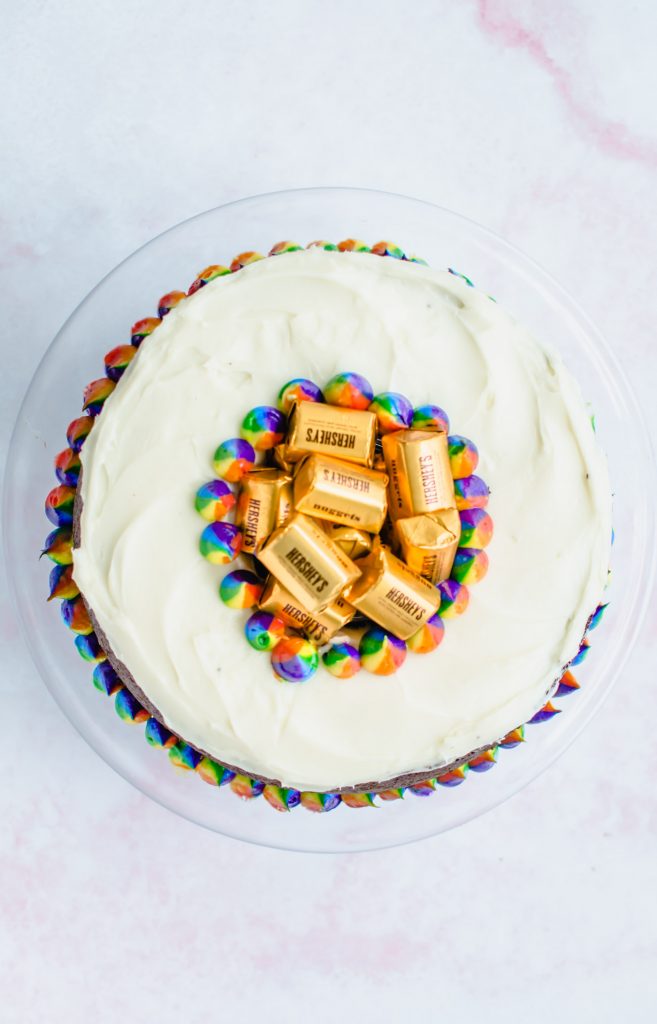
column 58, row 547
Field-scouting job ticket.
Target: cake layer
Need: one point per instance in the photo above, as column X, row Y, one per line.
column 406, row 328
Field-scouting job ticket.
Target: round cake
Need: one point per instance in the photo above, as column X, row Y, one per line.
column 173, row 626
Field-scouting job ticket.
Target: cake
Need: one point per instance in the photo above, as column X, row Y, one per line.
column 166, row 626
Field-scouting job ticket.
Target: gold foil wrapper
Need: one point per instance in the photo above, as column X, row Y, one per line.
column 285, row 506
column 306, row 562
column 428, row 543
column 341, row 492
column 319, row 627
column 280, row 457
column 354, row 542
column 420, row 475
column 331, row 430
column 391, row 594
column 257, row 506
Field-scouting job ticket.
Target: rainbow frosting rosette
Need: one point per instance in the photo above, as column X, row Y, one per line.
column 342, row 660
column 263, row 427
column 393, row 411
column 234, row 458
column 381, row 652
column 294, row 659
column 428, row 637
column 298, row 390
column 240, row 589
column 430, row 417
column 349, row 390
column 264, row 631
column 220, row 543
column 214, row 500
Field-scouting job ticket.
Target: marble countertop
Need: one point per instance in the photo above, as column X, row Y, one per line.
column 538, row 120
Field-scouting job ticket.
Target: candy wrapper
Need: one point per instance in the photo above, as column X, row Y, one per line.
column 331, row 430
column 392, row 595
column 305, row 561
column 341, row 492
column 420, row 475
column 258, row 506
column 428, row 544
column 319, row 627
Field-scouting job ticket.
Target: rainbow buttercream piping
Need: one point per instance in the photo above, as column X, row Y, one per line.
column 342, row 660
column 298, row 390
column 143, row 328
column 393, row 411
column 454, row 597
column 78, row 430
column 96, row 394
column 207, row 275
column 349, row 390
column 244, row 259
column 240, row 589
column 470, row 565
column 67, row 467
column 263, row 427
column 295, row 659
column 476, row 528
column 61, row 583
column 118, row 360
column 471, row 492
column 88, row 647
column 59, row 505
column 220, row 543
column 214, row 500
column 233, row 458
column 463, row 456
column 428, row 637
column 430, row 417
column 169, row 302
column 264, row 631
column 283, row 247
column 381, row 652
column 58, row 546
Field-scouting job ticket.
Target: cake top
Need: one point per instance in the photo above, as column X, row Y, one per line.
column 406, row 328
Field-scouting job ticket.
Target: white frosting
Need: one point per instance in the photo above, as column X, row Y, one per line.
column 406, row 328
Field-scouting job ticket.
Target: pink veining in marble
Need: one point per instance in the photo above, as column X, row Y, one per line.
column 614, row 138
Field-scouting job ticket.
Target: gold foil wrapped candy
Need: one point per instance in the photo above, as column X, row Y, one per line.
column 354, row 542
column 319, row 627
column 308, row 563
column 340, row 492
column 330, row 430
column 258, row 505
column 420, row 475
column 428, row 543
column 391, row 594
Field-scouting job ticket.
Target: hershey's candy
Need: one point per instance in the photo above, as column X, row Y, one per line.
column 306, row 562
column 331, row 430
column 419, row 470
column 341, row 492
column 319, row 627
column 391, row 594
column 354, row 542
column 428, row 543
column 257, row 506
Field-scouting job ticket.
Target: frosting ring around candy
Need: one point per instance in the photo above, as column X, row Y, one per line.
column 105, row 678
column 263, row 428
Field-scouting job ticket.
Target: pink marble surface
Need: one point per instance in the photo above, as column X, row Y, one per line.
column 536, row 119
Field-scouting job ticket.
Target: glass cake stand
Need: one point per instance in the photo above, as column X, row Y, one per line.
column 171, row 261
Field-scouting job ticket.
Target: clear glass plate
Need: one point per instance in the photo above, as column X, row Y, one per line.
column 171, row 261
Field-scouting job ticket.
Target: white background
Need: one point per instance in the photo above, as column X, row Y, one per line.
column 535, row 118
